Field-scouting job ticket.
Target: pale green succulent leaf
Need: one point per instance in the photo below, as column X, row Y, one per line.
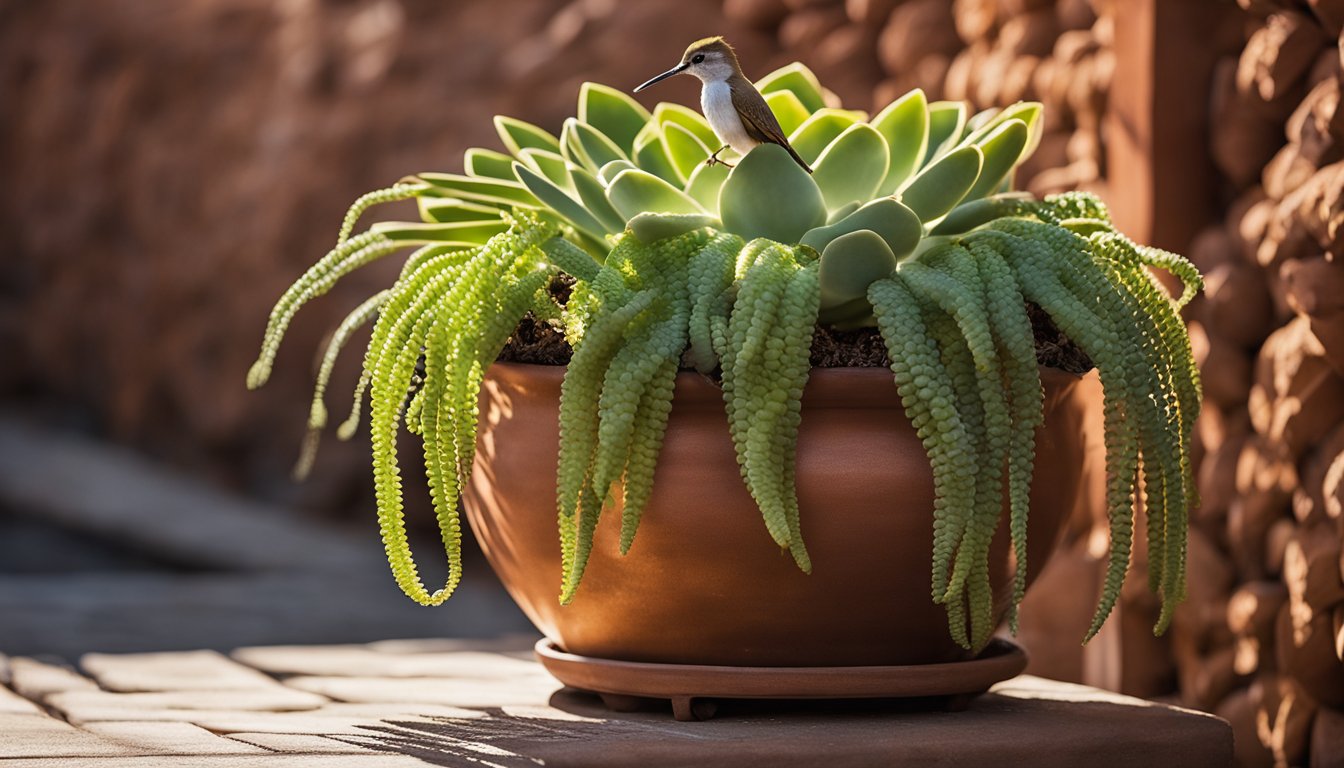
column 549, row 164
column 651, row 227
column 634, row 192
column 904, row 124
column 843, row 211
column 850, row 263
column 1028, row 112
column 705, row 184
column 487, row 163
column 559, row 201
column 667, row 112
column 482, row 190
column 1002, row 148
column 448, row 209
column 977, row 123
column 946, row 119
column 684, row 149
column 768, row 195
column 852, row 166
column 896, row 224
column 972, row 213
column 609, row 171
column 651, row 156
column 518, row 135
column 1033, row 114
column 646, row 134
column 797, row 79
column 788, row 109
column 453, row 233
column 940, row 186
column 819, row 130
column 599, row 149
column 613, row 113
column 594, row 197
column 857, row 313
column 570, row 147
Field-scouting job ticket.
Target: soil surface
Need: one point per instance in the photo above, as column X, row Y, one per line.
column 544, row 344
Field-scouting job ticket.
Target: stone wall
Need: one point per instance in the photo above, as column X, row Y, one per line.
column 1261, row 638
column 171, row 167
column 986, row 52
column 179, row 164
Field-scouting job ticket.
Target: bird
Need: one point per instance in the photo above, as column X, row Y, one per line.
column 735, row 109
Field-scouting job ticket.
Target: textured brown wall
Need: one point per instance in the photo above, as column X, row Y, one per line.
column 175, row 165
column 171, row 167
column 1261, row 641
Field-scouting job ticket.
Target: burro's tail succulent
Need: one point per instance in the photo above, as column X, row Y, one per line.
column 908, row 224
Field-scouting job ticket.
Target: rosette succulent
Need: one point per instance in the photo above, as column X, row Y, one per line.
column 908, row 225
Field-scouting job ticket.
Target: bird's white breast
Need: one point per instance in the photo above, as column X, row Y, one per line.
column 716, row 101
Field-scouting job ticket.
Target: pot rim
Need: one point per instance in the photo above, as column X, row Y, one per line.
column 841, row 387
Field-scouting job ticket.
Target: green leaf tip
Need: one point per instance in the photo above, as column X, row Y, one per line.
column 768, row 195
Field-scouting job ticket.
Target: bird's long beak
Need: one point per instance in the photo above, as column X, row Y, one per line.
column 673, row 71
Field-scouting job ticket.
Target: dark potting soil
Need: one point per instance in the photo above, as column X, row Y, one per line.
column 542, row 343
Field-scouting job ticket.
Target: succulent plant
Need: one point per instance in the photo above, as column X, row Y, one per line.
column 908, row 225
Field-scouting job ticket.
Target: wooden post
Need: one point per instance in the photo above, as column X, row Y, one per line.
column 1161, row 183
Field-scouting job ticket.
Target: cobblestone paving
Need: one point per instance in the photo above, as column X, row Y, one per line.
column 474, row 704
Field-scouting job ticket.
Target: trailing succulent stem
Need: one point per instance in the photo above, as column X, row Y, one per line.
column 909, row 225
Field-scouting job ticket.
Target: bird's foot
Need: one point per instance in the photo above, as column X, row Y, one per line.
column 714, row 158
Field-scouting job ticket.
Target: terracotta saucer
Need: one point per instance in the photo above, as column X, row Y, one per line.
column 624, row 685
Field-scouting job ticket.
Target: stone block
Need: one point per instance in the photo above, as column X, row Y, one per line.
column 415, row 690
column 172, row 671
column 12, row 703
column 915, row 29
column 26, row 735
column 78, row 704
column 299, row 743
column 1278, row 55
column 1305, row 652
column 1237, row 305
column 762, row 14
column 1327, row 739
column 1239, row 709
column 1283, row 720
column 364, row 661
column 170, row 738
column 37, row 679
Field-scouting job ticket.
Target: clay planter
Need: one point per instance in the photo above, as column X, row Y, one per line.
column 704, row 583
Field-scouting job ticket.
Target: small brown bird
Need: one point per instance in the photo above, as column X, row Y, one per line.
column 735, row 109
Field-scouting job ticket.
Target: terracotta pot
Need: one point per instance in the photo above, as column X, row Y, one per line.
column 704, row 583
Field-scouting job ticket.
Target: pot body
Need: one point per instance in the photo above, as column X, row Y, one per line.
column 703, row 582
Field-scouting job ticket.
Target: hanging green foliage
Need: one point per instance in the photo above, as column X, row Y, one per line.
column 908, row 226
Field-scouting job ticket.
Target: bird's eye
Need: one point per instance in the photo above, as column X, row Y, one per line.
column 697, row 58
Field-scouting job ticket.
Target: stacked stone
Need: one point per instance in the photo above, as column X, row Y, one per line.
column 1261, row 640
column 987, row 52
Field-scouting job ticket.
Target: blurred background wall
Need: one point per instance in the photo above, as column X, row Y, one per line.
column 171, row 166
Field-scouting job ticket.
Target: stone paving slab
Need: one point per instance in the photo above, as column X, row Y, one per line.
column 171, row 738
column 230, row 761
column 37, row 679
column 363, row 661
column 12, row 703
column 425, row 690
column 180, row 671
column 39, row 735
column 276, row 699
column 494, row 709
column 297, row 742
